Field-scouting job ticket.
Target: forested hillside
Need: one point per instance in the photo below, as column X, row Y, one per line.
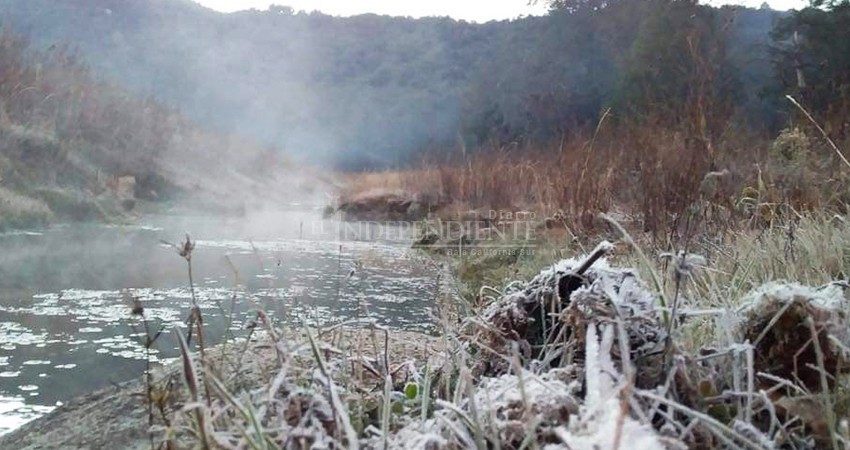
column 372, row 91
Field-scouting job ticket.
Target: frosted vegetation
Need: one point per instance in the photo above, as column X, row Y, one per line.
column 586, row 355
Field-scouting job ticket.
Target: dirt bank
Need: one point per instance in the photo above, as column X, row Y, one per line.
column 386, row 204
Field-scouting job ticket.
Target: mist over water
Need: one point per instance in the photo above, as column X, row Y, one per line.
column 65, row 294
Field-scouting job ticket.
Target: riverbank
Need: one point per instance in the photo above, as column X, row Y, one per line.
column 32, row 210
column 20, row 210
column 605, row 347
column 119, row 417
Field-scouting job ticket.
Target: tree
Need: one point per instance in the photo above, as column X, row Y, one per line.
column 678, row 71
column 283, row 10
column 813, row 61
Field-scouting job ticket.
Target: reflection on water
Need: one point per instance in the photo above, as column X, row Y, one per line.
column 65, row 295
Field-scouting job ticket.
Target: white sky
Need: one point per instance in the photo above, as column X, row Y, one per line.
column 472, row 10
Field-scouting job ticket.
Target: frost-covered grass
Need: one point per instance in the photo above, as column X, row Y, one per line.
column 719, row 279
column 739, row 342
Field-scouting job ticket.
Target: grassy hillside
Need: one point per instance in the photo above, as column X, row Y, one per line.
column 76, row 148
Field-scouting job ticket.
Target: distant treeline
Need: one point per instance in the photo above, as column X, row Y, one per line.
column 371, row 91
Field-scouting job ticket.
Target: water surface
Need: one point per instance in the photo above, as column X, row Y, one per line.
column 66, row 293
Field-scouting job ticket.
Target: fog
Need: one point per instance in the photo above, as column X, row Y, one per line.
column 367, row 91
column 333, row 92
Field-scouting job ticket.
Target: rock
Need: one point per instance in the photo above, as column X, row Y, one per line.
column 125, row 187
column 114, row 417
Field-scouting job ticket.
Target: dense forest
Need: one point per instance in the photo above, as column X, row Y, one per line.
column 375, row 91
column 372, row 91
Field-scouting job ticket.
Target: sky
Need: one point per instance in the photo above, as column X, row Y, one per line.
column 470, row 10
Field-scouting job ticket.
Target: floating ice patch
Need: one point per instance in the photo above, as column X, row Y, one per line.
column 386, row 298
column 86, row 294
column 13, row 335
column 15, row 413
column 109, row 340
column 277, row 293
column 138, row 354
column 89, row 330
column 21, row 233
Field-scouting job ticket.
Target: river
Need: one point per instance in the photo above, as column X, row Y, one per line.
column 66, row 292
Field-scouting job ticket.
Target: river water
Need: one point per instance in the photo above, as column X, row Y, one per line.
column 66, row 326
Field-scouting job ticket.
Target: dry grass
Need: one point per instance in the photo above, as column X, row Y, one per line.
column 19, row 211
column 710, row 226
column 653, row 178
